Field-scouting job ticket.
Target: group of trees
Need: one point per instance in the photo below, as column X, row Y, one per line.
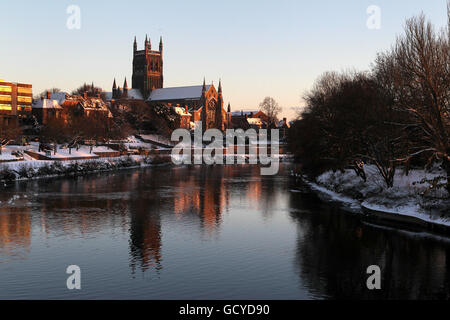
column 139, row 116
column 90, row 89
column 395, row 114
column 77, row 128
column 9, row 131
column 271, row 109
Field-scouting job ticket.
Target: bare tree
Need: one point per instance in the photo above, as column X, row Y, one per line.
column 271, row 108
column 8, row 132
column 416, row 72
column 43, row 94
column 90, row 89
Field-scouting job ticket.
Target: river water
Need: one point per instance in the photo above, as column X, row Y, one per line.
column 218, row 232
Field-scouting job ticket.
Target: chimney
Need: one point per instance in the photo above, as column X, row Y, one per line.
column 284, row 121
column 49, row 95
column 187, row 109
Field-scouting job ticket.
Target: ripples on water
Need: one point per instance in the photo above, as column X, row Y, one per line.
column 221, row 232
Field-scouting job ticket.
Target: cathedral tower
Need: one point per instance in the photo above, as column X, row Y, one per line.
column 147, row 68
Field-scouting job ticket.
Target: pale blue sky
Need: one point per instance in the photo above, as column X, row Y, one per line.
column 258, row 48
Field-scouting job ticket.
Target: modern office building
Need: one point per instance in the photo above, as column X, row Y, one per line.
column 15, row 101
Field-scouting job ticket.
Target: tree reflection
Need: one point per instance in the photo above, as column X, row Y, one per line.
column 335, row 248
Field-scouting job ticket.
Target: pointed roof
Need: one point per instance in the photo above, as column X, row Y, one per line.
column 114, row 84
column 147, row 41
column 178, row 93
column 220, row 86
column 125, row 85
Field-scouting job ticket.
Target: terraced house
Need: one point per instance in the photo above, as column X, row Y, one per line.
column 15, row 102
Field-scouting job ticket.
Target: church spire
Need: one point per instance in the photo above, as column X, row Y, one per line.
column 160, row 44
column 135, row 44
column 220, row 87
column 229, row 108
column 204, row 86
column 125, row 88
column 148, row 42
column 114, row 89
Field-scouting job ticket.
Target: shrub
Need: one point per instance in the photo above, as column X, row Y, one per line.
column 7, row 175
column 45, row 170
column 26, row 172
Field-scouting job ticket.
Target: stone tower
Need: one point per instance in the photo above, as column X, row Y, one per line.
column 147, row 67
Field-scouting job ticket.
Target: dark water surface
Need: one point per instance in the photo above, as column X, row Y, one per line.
column 221, row 232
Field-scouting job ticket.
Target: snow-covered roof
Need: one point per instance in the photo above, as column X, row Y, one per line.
column 255, row 121
column 108, row 96
column 135, row 94
column 177, row 93
column 132, row 94
column 59, row 96
column 282, row 123
column 240, row 113
column 182, row 111
column 46, row 104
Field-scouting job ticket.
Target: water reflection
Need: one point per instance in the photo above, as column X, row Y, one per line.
column 15, row 232
column 145, row 207
column 335, row 249
column 204, row 195
column 157, row 219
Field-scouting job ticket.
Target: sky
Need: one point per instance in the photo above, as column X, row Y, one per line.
column 257, row 48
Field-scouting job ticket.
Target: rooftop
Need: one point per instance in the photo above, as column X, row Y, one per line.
column 177, row 93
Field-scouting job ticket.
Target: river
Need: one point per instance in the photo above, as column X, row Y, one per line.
column 203, row 232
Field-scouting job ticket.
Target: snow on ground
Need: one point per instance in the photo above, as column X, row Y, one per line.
column 36, row 164
column 347, row 201
column 134, row 143
column 6, row 155
column 157, row 138
column 412, row 210
column 9, row 149
column 409, row 195
column 83, row 151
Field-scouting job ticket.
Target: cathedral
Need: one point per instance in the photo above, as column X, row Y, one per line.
column 147, row 67
column 203, row 102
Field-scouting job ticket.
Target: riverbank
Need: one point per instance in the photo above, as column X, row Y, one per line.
column 411, row 202
column 35, row 169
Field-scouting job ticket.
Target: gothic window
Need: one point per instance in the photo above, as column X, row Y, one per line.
column 211, row 113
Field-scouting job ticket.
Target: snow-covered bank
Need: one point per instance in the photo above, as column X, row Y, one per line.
column 25, row 170
column 409, row 198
